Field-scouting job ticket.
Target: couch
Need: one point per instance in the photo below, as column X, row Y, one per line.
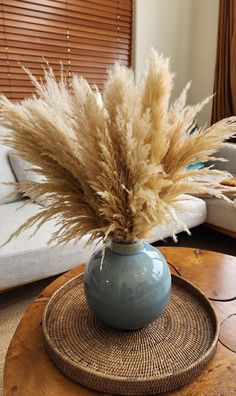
column 28, row 257
column 221, row 215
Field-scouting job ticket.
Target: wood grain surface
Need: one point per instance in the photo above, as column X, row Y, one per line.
column 30, row 372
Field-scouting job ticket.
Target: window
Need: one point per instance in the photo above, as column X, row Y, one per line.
column 87, row 36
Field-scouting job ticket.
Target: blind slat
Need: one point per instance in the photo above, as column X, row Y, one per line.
column 106, row 62
column 57, row 46
column 55, row 40
column 23, row 82
column 27, row 83
column 40, row 54
column 16, row 66
column 37, row 69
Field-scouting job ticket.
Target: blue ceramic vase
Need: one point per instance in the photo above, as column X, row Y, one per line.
column 130, row 288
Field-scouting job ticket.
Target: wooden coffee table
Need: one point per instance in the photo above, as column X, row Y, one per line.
column 30, row 372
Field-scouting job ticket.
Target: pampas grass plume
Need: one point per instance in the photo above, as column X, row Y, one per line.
column 115, row 165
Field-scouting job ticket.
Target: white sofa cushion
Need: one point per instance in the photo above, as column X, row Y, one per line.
column 221, row 213
column 8, row 193
column 26, row 259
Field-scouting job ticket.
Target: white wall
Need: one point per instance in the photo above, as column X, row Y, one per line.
column 203, row 53
column 185, row 31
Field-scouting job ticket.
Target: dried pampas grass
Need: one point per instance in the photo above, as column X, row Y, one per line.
column 115, row 165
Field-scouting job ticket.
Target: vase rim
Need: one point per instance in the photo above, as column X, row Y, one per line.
column 126, row 247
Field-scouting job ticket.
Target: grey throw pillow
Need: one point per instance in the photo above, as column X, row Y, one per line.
column 23, row 173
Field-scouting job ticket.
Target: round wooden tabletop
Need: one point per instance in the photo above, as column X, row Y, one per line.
column 29, row 371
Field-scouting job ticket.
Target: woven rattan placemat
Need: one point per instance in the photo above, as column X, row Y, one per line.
column 165, row 355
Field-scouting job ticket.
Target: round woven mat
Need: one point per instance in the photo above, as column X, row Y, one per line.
column 166, row 354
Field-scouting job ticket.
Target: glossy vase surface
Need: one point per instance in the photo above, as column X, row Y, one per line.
column 130, row 288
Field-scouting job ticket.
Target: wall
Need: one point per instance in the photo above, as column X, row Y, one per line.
column 185, row 31
column 203, row 53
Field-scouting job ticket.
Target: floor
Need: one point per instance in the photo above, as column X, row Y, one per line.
column 204, row 238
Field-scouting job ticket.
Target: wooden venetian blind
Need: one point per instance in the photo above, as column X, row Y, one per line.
column 86, row 36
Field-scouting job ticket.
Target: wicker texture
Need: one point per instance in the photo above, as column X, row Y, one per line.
column 165, row 355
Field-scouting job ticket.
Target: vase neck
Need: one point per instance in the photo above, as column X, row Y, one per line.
column 126, row 248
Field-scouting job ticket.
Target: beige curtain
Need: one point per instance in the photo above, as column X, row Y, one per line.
column 224, row 103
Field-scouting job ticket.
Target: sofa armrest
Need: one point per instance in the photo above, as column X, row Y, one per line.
column 228, row 153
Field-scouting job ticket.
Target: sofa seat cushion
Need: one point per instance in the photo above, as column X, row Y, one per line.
column 26, row 259
column 221, row 213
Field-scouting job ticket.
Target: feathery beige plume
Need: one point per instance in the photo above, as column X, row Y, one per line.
column 115, row 164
